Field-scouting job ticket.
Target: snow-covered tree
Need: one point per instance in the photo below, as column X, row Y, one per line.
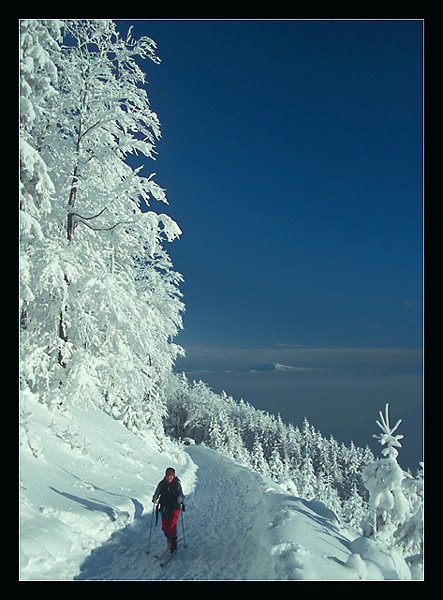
column 39, row 47
column 276, row 466
column 410, row 535
column 306, row 481
column 177, row 394
column 257, row 457
column 216, row 436
column 100, row 302
column 198, row 410
column 388, row 507
column 353, row 508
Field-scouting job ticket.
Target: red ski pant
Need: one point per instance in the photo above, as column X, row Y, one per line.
column 169, row 524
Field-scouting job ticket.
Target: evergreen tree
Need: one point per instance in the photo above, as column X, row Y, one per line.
column 353, row 508
column 410, row 535
column 257, row 458
column 327, row 493
column 276, row 466
column 306, row 481
column 215, row 436
column 388, row 506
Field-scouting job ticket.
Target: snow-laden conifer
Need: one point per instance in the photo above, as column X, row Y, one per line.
column 395, row 515
column 383, row 478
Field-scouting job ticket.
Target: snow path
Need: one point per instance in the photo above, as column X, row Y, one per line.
column 238, row 526
column 224, row 520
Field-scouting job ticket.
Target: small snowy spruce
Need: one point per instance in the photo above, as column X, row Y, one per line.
column 393, row 523
column 388, row 507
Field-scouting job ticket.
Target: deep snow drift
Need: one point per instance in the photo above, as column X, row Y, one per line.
column 86, row 488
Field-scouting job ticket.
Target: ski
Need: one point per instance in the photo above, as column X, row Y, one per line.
column 168, row 558
column 162, row 554
column 159, row 554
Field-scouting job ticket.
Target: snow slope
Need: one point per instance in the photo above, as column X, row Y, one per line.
column 92, row 477
column 86, row 513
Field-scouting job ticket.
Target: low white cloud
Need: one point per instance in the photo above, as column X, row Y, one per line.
column 297, row 359
column 274, row 368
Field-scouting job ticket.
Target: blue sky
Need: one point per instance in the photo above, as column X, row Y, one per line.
column 291, row 153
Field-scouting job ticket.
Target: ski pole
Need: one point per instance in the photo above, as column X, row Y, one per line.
column 183, row 525
column 150, row 529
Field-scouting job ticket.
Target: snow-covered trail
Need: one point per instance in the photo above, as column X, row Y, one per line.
column 225, row 518
column 224, row 522
column 238, row 526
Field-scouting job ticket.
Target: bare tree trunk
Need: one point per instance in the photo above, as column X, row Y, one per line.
column 73, row 192
column 63, row 334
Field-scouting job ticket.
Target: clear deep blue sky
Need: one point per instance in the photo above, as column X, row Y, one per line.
column 292, row 159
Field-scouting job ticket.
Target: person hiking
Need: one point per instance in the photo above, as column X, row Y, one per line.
column 169, row 496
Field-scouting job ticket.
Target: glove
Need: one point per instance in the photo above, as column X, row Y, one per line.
column 154, row 499
column 180, row 499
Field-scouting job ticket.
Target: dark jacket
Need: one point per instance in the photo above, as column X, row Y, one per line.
column 170, row 495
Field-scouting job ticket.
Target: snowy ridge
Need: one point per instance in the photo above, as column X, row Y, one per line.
column 86, row 487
